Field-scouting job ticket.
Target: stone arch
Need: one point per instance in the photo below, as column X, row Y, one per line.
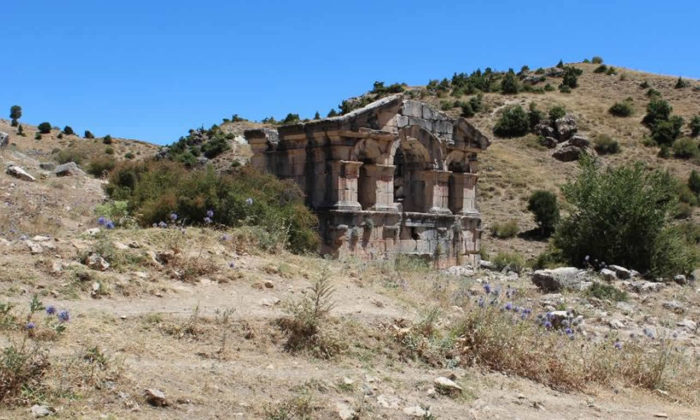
column 369, row 153
column 457, row 161
column 433, row 150
column 366, row 151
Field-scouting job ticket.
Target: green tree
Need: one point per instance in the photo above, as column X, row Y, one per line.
column 67, row 130
column 694, row 182
column 570, row 77
column 107, row 139
column 44, row 128
column 513, row 122
column 543, row 204
column 694, row 126
column 15, row 114
column 509, row 84
column 657, row 110
column 556, row 112
column 622, row 216
column 88, row 135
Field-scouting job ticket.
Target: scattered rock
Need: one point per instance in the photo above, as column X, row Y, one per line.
column 621, row 272
column 41, row 238
column 545, row 130
column 643, row 286
column 567, row 153
column 92, row 231
column 487, row 265
column 688, row 325
column 34, row 247
column 608, row 274
column 68, row 169
column 459, row 270
column 565, row 127
column 557, row 279
column 345, row 412
column 446, row 386
column 4, row 139
column 96, row 262
column 19, row 173
column 155, row 397
column 47, row 166
column 416, row 411
column 579, row 141
column 554, row 72
column 164, row 257
column 56, row 267
column 616, row 324
column 680, row 279
column 674, row 306
column 661, row 415
column 269, row 284
column 270, row 301
column 549, row 142
column 388, row 401
column 41, row 410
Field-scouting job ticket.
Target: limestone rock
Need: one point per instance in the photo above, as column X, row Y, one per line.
column 608, row 274
column 41, row 410
column 544, row 130
column 459, row 270
column 643, row 286
column 48, row 166
column 19, row 173
column 549, row 142
column 565, row 127
column 68, row 169
column 271, row 301
column 155, row 397
column 487, row 265
column 416, row 411
column 557, row 279
column 96, row 262
column 567, row 153
column 446, row 386
column 680, row 279
column 688, row 325
column 34, row 247
column 388, row 401
column 345, row 412
column 621, row 272
column 4, row 139
column 554, row 72
column 674, row 306
column 579, row 141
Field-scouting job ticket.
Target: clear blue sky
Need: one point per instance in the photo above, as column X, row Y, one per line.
column 152, row 69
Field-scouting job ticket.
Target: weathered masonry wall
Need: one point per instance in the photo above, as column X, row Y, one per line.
column 393, row 177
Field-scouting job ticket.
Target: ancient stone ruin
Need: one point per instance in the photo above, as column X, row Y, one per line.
column 396, row 176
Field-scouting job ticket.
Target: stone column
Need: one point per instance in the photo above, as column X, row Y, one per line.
column 385, row 188
column 344, row 175
column 436, row 191
column 463, row 193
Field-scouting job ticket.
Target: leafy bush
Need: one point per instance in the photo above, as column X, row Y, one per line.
column 657, row 110
column 694, row 126
column 606, row 292
column 513, row 122
column 37, row 136
column 88, row 135
column 505, row 230
column 685, row 148
column 605, row 145
column 680, row 83
column 507, row 260
column 556, row 112
column 611, row 71
column 129, row 155
column 107, row 139
column 597, row 60
column 644, row 85
column 109, row 150
column 70, row 155
column 44, row 128
column 467, row 109
column 548, row 87
column 155, row 189
column 543, row 204
column 622, row 109
column 100, row 166
column 570, row 78
column 622, row 216
column 564, row 89
column 694, row 181
column 509, row 84
column 665, row 132
column 601, row 69
column 67, row 130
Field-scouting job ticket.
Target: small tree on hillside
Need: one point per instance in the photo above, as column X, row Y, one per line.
column 88, row 135
column 509, row 84
column 514, row 122
column 570, row 77
column 44, row 128
column 15, row 114
column 694, row 126
column 67, row 130
column 622, row 216
column 107, row 139
column 543, row 204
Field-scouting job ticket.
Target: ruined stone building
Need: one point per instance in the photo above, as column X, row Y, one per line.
column 396, row 176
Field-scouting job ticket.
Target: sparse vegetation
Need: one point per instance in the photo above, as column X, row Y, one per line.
column 505, row 230
column 88, row 134
column 622, row 109
column 685, row 148
column 694, row 126
column 15, row 114
column 67, row 130
column 606, row 145
column 44, row 128
column 544, row 206
column 513, row 122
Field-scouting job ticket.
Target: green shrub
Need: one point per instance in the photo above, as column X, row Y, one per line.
column 653, row 93
column 100, row 166
column 601, row 69
column 556, row 112
column 507, row 260
column 15, row 114
column 109, row 150
column 37, row 136
column 44, row 128
column 513, row 122
column 534, row 115
column 611, row 71
column 657, row 110
column 597, row 60
column 543, row 204
column 88, row 135
column 680, row 83
column 476, row 102
column 67, row 130
column 694, row 126
column 107, row 139
column 505, row 230
column 548, row 87
column 606, row 292
column 664, row 152
column 467, row 109
column 694, row 181
column 564, row 89
column 665, row 132
column 129, row 155
column 570, row 78
column 70, row 155
column 621, row 215
column 155, row 189
column 20, row 130
column 605, row 145
column 685, row 148
column 644, row 85
column 509, row 84
column 622, row 109
column 560, row 64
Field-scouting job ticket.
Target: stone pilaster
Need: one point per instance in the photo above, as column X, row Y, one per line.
column 437, row 191
column 463, row 193
column 344, row 175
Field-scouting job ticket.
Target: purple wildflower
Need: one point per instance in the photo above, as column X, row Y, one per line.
column 487, row 288
column 207, row 220
column 162, row 224
column 29, row 326
column 232, row 264
column 63, row 316
column 618, row 345
column 50, row 309
column 173, row 216
column 481, row 302
column 548, row 325
column 508, row 306
column 109, row 225
column 249, row 201
column 210, row 213
column 101, row 221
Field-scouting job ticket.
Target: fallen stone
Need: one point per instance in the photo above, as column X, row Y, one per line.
column 388, row 401
column 34, row 247
column 41, row 238
column 549, row 142
column 616, row 324
column 621, row 272
column 4, row 139
column 19, row 173
column 416, row 411
column 579, row 141
column 487, row 265
column 270, row 301
column 56, row 267
column 644, row 286
column 48, row 166
column 545, row 130
column 607, row 274
column 680, row 279
column 96, row 262
column 68, row 169
column 688, row 325
column 567, row 153
column 446, row 386
column 155, row 397
column 558, row 279
column 565, row 127
column 345, row 412
column 41, row 410
column 674, row 306
column 269, row 284
column 459, row 270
